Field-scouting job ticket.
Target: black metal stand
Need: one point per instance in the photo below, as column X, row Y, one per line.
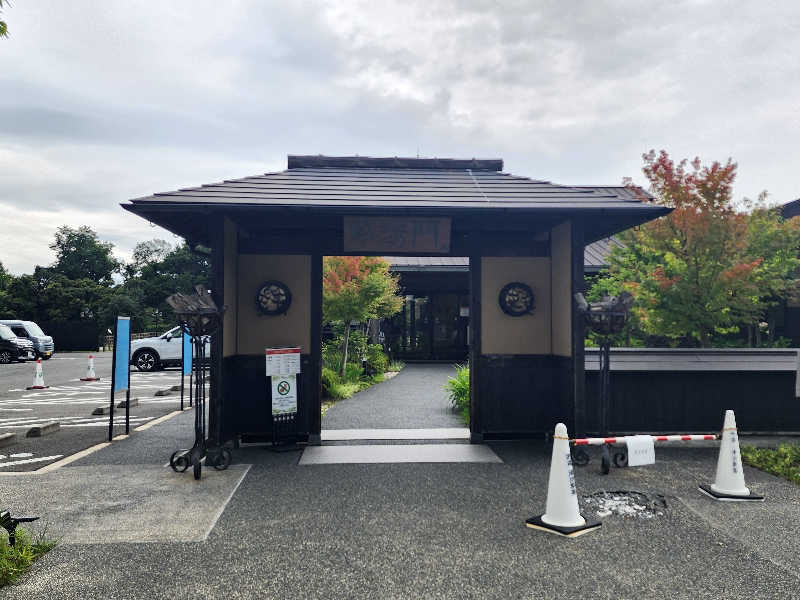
column 605, row 318
column 200, row 318
column 284, row 432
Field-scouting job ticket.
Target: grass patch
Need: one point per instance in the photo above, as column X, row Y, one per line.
column 16, row 559
column 783, row 461
column 458, row 391
column 395, row 366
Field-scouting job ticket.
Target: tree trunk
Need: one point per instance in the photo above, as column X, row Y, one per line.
column 705, row 339
column 343, row 370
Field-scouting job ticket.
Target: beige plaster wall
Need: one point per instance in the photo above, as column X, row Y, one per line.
column 230, row 267
column 256, row 331
column 561, row 286
column 502, row 334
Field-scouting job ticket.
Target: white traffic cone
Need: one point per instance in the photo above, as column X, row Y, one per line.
column 90, row 374
column 729, row 483
column 38, row 377
column 562, row 515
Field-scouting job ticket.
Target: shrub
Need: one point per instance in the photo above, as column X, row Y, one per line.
column 458, row 391
column 340, row 391
column 783, row 461
column 15, row 560
column 395, row 366
column 377, row 360
column 332, row 350
column 330, row 378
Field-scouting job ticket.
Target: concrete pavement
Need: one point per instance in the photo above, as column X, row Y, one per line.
column 404, row 530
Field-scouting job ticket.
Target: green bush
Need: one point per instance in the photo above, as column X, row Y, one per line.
column 377, row 360
column 342, row 390
column 330, row 378
column 15, row 560
column 332, row 350
column 783, row 461
column 458, row 391
column 395, row 366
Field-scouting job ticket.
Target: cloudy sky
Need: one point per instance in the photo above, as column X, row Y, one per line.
column 106, row 100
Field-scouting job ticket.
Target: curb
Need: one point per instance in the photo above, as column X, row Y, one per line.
column 45, row 429
column 6, row 439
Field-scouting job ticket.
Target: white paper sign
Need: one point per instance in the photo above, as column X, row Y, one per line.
column 284, row 394
column 641, row 450
column 283, row 361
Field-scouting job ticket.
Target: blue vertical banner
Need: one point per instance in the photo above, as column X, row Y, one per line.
column 122, row 352
column 187, row 353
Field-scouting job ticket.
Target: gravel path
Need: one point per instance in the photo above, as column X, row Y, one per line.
column 414, row 399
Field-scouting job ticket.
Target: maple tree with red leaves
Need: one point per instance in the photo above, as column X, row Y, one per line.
column 707, row 269
column 357, row 288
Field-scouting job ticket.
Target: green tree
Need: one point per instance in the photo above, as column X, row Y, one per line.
column 80, row 254
column 157, row 271
column 706, row 269
column 357, row 288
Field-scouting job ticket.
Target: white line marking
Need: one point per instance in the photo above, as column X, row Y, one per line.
column 225, row 504
column 72, row 458
column 157, row 421
column 29, row 460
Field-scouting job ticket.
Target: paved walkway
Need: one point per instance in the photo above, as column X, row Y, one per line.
column 413, row 399
column 280, row 530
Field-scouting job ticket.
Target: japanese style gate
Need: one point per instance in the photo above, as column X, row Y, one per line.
column 522, row 236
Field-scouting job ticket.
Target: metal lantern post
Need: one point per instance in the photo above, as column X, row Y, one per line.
column 200, row 318
column 605, row 318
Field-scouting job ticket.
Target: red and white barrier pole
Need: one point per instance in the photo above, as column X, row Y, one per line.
column 656, row 438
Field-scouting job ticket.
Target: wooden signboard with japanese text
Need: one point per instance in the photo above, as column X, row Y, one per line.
column 397, row 235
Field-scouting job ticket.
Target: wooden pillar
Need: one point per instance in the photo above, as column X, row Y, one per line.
column 315, row 379
column 217, row 284
column 475, row 426
column 578, row 332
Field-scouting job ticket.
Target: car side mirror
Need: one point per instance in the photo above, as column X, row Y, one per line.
column 168, row 337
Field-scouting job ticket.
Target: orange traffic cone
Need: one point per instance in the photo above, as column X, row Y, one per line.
column 562, row 515
column 90, row 374
column 729, row 482
column 38, row 377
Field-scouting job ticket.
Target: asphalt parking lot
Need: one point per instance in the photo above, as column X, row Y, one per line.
column 70, row 402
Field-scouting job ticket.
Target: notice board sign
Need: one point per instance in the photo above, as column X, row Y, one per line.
column 187, row 352
column 641, row 450
column 397, row 234
column 122, row 352
column 284, row 394
column 283, row 361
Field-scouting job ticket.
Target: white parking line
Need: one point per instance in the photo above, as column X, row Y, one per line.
column 29, row 460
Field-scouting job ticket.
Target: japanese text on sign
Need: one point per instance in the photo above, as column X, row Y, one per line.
column 641, row 450
column 283, row 361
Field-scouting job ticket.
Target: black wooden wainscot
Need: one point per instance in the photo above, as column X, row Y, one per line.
column 527, row 370
column 688, row 390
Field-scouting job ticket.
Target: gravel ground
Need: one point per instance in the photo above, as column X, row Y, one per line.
column 414, row 399
column 424, row 531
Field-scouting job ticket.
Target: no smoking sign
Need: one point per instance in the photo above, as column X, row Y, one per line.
column 284, row 394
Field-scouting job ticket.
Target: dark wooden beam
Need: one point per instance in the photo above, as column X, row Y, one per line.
column 315, row 362
column 578, row 332
column 217, row 284
column 475, row 400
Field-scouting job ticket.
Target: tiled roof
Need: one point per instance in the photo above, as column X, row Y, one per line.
column 354, row 182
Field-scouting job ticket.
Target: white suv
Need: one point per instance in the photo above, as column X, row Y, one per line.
column 151, row 354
